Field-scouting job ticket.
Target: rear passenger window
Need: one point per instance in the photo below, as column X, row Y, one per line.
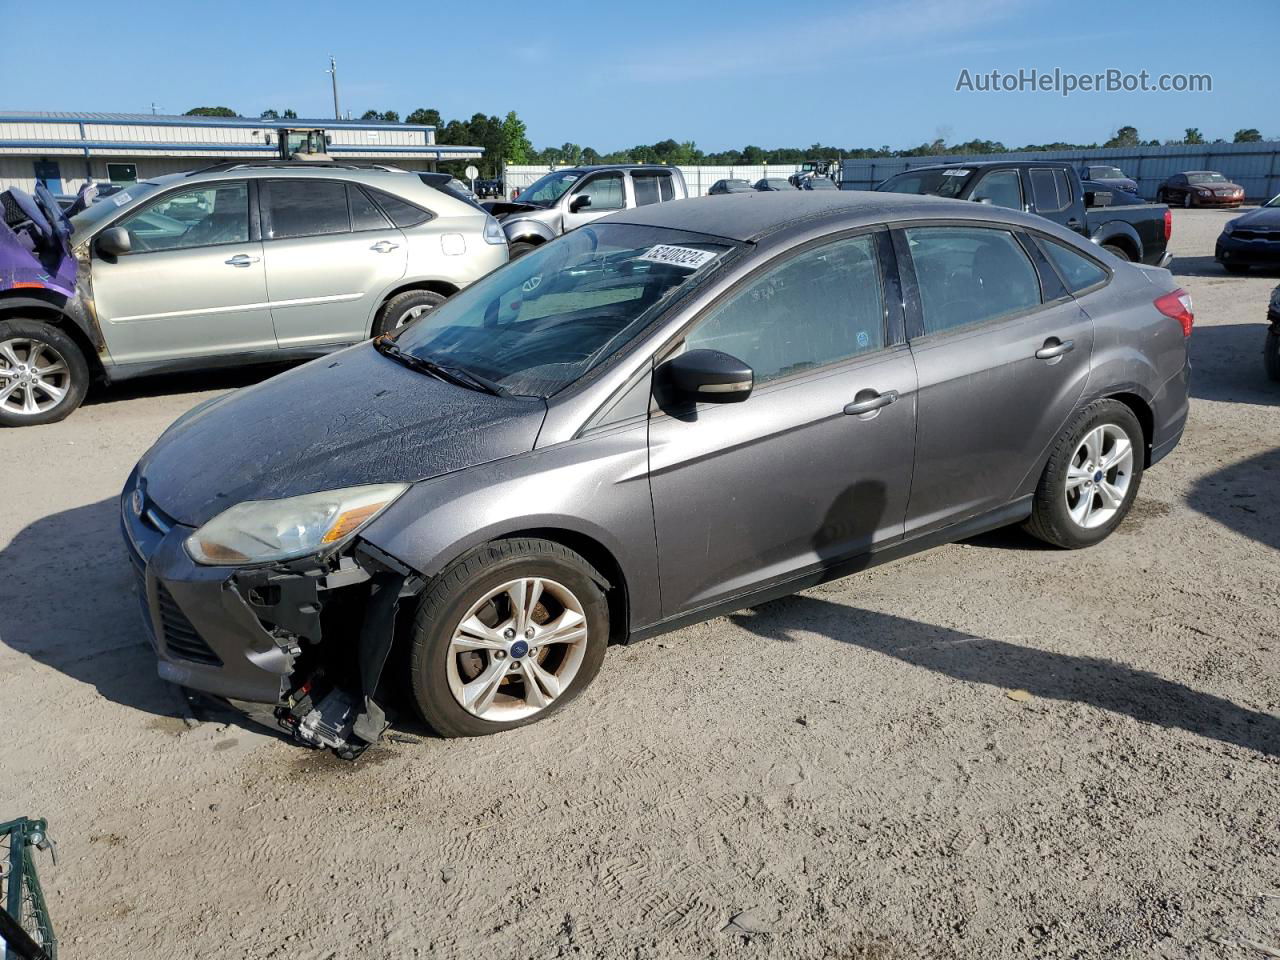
column 364, row 213
column 1077, row 270
column 306, row 208
column 1050, row 190
column 820, row 307
column 652, row 188
column 401, row 212
column 970, row 275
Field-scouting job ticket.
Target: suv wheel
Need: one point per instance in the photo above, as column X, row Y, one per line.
column 43, row 374
column 1091, row 479
column 520, row 248
column 505, row 636
column 404, row 308
column 1118, row 252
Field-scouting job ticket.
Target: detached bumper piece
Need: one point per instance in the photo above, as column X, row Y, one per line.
column 310, row 636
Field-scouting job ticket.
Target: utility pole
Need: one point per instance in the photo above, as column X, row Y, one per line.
column 333, row 72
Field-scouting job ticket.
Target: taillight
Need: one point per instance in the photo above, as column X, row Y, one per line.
column 1168, row 224
column 1177, row 306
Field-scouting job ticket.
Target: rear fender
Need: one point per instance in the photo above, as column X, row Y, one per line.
column 1118, row 230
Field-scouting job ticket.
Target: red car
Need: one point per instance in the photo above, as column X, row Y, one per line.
column 1200, row 188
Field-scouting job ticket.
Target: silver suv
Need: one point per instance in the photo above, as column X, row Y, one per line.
column 238, row 263
column 565, row 199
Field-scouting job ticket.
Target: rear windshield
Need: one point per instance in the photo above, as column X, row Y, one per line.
column 543, row 321
column 939, row 183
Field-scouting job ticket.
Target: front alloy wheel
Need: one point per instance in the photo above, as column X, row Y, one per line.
column 43, row 374
column 505, row 635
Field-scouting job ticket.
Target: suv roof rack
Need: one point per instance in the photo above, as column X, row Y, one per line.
column 295, row 165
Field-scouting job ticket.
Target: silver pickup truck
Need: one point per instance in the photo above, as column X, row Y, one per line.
column 568, row 198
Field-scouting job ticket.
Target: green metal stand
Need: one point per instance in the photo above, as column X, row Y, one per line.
column 25, row 930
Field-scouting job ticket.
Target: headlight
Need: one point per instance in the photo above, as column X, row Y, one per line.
column 1231, row 225
column 493, row 231
column 263, row 531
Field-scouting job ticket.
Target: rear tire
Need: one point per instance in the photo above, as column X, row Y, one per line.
column 404, row 308
column 520, row 248
column 47, row 390
column 1119, row 252
column 1089, row 483
column 448, row 665
column 1271, row 355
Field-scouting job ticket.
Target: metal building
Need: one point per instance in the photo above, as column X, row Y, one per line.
column 64, row 150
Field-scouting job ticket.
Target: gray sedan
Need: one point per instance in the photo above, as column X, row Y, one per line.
column 669, row 414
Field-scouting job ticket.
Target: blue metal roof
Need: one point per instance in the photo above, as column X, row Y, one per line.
column 171, row 120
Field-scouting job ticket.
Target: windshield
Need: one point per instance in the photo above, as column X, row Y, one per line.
column 1207, row 177
column 547, row 190
column 1273, row 202
column 104, row 209
column 1106, row 173
column 939, row 183
column 538, row 324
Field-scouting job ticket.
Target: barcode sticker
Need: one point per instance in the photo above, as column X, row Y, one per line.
column 672, row 256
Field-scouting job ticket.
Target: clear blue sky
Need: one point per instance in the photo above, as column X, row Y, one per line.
column 611, row 75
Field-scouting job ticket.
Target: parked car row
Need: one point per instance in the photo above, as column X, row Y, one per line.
column 539, row 466
column 237, row 263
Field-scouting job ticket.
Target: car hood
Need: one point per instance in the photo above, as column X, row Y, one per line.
column 350, row 418
column 502, row 209
column 1262, row 217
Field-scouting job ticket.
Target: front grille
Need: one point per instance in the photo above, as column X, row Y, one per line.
column 1269, row 235
column 180, row 636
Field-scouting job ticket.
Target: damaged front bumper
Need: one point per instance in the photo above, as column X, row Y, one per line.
column 288, row 634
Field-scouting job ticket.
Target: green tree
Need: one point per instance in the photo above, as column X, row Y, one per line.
column 515, row 140
column 268, row 115
column 1124, row 137
column 427, row 116
column 389, row 115
column 211, row 112
column 1247, row 135
column 1193, row 135
column 290, row 115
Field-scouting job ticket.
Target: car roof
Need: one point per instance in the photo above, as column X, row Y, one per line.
column 614, row 166
column 979, row 164
column 746, row 217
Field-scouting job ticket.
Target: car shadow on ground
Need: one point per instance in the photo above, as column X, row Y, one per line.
column 195, row 381
column 1093, row 681
column 1227, row 365
column 71, row 604
column 1209, row 267
column 1244, row 497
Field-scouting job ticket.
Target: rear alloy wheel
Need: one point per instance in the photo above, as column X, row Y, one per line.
column 404, row 308
column 43, row 374
column 1091, row 479
column 505, row 636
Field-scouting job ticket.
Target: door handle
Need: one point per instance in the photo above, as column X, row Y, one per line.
column 870, row 404
column 241, row 260
column 1074, row 224
column 384, row 246
column 1054, row 348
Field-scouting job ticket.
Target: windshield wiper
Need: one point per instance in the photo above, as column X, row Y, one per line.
column 450, row 374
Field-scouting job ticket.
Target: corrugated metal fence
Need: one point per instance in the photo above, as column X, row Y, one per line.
column 1255, row 166
column 698, row 179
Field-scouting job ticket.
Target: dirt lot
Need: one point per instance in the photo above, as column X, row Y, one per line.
column 841, row 774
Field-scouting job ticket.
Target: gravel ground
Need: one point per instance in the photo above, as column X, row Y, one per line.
column 841, row 774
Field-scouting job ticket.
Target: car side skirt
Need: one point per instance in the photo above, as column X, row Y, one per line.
column 1013, row 512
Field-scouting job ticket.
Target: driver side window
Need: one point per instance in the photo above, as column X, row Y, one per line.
column 1001, row 187
column 201, row 217
column 605, row 192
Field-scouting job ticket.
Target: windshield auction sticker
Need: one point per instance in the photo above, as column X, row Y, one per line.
column 955, row 173
column 686, row 257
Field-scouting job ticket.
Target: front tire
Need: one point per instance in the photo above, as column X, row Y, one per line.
column 404, row 308
column 1188, row 201
column 519, row 248
column 505, row 636
column 1271, row 355
column 43, row 373
column 1091, row 479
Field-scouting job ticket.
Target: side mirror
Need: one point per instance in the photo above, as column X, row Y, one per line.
column 113, row 242
column 580, row 202
column 709, row 376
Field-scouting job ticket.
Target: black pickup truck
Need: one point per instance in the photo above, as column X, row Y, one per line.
column 1138, row 232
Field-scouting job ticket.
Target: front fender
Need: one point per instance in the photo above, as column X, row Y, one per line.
column 523, row 229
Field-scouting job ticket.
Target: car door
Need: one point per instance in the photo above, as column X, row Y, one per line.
column 1052, row 197
column 331, row 253
column 815, row 466
column 605, row 192
column 1002, row 354
column 193, row 283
